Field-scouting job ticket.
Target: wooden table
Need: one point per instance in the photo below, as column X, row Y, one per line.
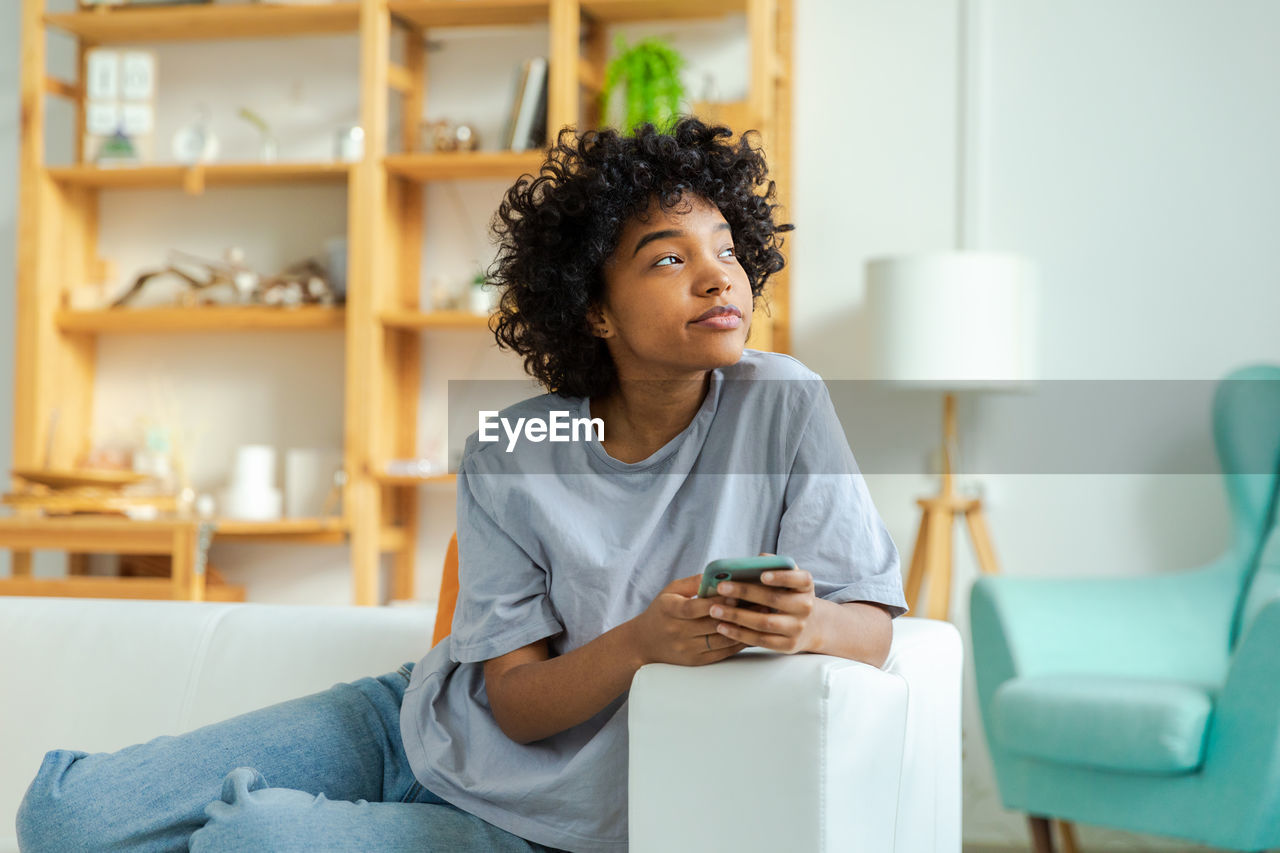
column 185, row 541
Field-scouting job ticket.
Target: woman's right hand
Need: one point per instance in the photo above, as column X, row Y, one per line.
column 677, row 628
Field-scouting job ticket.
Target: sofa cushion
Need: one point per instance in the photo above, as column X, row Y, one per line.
column 1128, row 724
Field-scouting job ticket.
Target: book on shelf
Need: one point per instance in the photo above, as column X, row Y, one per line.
column 527, row 124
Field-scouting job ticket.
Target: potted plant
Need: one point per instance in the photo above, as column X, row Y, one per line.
column 650, row 72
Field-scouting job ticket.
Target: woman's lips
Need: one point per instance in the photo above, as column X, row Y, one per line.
column 721, row 322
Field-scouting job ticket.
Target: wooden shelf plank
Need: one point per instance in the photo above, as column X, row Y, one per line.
column 507, row 165
column 211, row 174
column 89, row 533
column 231, row 318
column 128, row 536
column 623, row 11
column 401, row 480
column 435, row 320
column 428, row 14
column 200, row 23
column 314, row 531
column 93, row 586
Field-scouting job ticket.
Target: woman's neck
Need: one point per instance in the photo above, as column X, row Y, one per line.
column 641, row 416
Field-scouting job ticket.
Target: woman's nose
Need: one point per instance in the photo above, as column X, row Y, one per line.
column 715, row 278
column 720, row 283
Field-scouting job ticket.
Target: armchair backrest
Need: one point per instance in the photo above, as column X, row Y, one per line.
column 1246, row 432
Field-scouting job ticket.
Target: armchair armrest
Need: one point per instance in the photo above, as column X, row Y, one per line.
column 807, row 752
column 1243, row 750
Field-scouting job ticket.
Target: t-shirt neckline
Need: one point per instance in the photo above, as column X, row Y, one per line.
column 704, row 413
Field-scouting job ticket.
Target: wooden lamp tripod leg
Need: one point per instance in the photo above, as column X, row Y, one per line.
column 982, row 540
column 938, row 560
column 932, row 558
column 915, row 577
column 932, row 555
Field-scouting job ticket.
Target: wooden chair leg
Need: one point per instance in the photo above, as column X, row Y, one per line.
column 1041, row 838
column 1067, row 836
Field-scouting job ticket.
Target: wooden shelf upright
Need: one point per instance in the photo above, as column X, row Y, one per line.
column 383, row 321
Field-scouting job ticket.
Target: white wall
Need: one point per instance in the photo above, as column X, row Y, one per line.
column 1125, row 147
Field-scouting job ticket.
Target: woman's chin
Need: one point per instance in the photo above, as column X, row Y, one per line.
column 727, row 353
column 686, row 360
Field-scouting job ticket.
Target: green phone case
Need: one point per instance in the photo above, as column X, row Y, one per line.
column 742, row 569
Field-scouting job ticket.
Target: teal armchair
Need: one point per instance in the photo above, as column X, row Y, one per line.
column 1150, row 704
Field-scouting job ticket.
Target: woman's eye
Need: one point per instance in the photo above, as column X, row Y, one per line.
column 659, row 262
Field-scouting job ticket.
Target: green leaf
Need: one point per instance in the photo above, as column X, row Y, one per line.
column 650, row 72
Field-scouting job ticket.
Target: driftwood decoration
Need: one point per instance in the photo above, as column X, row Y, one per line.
column 303, row 283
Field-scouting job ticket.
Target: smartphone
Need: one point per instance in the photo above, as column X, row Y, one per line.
column 740, row 569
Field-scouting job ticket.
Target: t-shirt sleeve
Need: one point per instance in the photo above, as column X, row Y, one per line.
column 502, row 592
column 830, row 525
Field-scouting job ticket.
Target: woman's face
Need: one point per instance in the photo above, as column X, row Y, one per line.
column 676, row 301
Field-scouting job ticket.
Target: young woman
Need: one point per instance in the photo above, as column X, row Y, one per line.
column 631, row 268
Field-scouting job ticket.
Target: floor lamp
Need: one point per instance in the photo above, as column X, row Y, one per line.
column 950, row 321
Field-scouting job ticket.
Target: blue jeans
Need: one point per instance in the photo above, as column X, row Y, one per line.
column 323, row 772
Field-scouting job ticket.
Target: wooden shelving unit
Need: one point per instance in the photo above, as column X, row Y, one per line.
column 383, row 320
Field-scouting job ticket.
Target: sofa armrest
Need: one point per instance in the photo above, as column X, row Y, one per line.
column 807, row 752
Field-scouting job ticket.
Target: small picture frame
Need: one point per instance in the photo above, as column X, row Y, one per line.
column 137, row 75
column 119, row 117
column 102, row 75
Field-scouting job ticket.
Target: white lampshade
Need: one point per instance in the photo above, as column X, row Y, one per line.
column 953, row 319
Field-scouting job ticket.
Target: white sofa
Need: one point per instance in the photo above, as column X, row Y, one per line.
column 825, row 753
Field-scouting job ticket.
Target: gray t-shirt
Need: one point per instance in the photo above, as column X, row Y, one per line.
column 559, row 540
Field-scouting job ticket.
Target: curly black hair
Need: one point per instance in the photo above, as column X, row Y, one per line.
column 555, row 231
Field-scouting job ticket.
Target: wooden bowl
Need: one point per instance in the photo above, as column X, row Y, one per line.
column 80, row 478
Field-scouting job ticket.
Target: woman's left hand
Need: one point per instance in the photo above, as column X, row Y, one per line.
column 785, row 624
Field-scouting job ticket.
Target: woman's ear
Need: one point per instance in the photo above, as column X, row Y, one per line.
column 596, row 321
